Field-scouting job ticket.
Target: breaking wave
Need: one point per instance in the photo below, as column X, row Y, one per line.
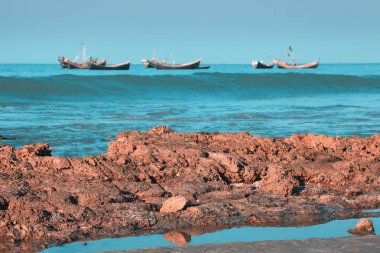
column 184, row 87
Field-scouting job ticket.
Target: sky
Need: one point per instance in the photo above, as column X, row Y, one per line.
column 217, row 31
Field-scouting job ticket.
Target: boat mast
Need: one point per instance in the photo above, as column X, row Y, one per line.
column 292, row 58
column 83, row 46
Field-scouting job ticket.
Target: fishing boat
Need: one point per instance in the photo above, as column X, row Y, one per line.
column 150, row 63
column 120, row 66
column 66, row 63
column 262, row 65
column 190, row 65
column 73, row 65
column 284, row 65
column 293, row 65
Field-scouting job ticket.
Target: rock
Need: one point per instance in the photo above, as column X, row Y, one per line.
column 363, row 227
column 174, row 204
column 37, row 149
column 2, row 137
column 279, row 181
column 179, row 238
column 60, row 163
column 231, row 163
column 194, row 211
column 160, row 130
column 231, row 179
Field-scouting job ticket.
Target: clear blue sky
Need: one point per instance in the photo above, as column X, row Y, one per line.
column 218, row 31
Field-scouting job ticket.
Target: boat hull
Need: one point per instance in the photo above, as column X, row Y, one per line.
column 260, row 65
column 121, row 66
column 73, row 65
column 191, row 65
column 66, row 63
column 284, row 65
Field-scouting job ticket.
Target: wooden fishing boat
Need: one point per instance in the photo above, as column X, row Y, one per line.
column 191, row 65
column 262, row 65
column 284, row 65
column 66, row 63
column 149, row 63
column 73, row 65
column 120, row 66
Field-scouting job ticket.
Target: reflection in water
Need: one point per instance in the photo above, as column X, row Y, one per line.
column 336, row 228
column 179, row 238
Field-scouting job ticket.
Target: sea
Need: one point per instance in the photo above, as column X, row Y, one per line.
column 79, row 111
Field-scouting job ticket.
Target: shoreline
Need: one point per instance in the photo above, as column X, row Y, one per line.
column 227, row 180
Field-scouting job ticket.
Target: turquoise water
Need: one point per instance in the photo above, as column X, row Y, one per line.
column 337, row 228
column 75, row 111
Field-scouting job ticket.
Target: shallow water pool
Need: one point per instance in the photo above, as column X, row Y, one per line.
column 336, row 228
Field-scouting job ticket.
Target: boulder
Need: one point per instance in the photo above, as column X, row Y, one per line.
column 174, row 204
column 363, row 227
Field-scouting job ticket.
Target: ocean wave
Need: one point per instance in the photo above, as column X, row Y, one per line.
column 184, row 87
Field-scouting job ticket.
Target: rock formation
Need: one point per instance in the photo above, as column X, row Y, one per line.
column 226, row 179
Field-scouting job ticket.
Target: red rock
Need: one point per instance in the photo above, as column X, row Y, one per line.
column 230, row 162
column 230, row 178
column 194, row 211
column 279, row 180
column 363, row 227
column 174, row 204
column 37, row 149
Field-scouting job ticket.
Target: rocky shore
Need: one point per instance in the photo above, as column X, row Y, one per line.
column 161, row 180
